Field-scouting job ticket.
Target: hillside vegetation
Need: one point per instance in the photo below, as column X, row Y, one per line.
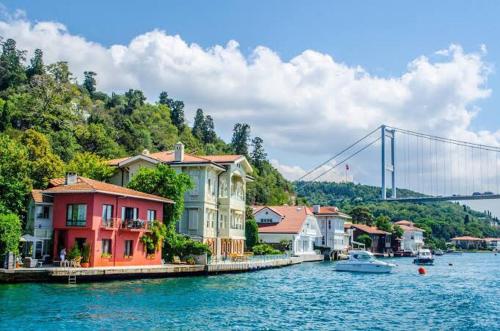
column 441, row 220
column 51, row 123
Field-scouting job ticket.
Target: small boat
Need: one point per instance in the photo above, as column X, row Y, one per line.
column 363, row 261
column 438, row 252
column 424, row 256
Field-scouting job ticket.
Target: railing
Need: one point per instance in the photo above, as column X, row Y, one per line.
column 134, row 224
column 80, row 223
column 108, row 223
column 249, row 258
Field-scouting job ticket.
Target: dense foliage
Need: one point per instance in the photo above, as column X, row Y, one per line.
column 10, row 231
column 265, row 249
column 441, row 220
column 251, row 233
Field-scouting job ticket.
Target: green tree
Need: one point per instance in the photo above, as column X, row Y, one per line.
column 90, row 165
column 15, row 183
column 36, row 67
column 134, row 99
column 362, row 215
column 12, row 72
column 251, row 233
column 166, row 182
column 165, row 100
column 365, row 239
column 177, row 114
column 397, row 231
column 89, row 82
column 43, row 164
column 258, row 155
column 383, row 223
column 96, row 139
column 241, row 135
column 10, row 233
column 199, row 122
column 208, row 129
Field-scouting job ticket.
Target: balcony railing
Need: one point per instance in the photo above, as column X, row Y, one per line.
column 80, row 223
column 134, row 224
column 108, row 223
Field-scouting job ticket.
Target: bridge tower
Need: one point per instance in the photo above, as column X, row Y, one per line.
column 391, row 167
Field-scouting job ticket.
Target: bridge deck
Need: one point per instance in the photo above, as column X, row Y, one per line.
column 447, row 198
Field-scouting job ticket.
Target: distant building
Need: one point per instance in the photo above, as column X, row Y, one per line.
column 214, row 210
column 468, row 242
column 293, row 224
column 492, row 243
column 38, row 231
column 331, row 223
column 111, row 219
column 413, row 237
column 381, row 240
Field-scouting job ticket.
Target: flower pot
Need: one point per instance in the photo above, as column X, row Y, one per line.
column 85, row 264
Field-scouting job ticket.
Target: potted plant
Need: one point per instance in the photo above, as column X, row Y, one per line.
column 85, row 256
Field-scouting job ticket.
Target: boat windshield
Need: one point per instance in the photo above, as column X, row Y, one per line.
column 363, row 257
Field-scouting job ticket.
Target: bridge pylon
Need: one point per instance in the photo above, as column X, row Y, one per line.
column 388, row 133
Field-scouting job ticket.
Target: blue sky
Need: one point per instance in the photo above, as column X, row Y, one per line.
column 381, row 36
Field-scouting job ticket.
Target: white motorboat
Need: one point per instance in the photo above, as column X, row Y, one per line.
column 424, row 256
column 363, row 261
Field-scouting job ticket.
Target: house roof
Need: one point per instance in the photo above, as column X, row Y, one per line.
column 168, row 157
column 404, row 222
column 407, row 228
column 467, row 238
column 331, row 211
column 491, row 239
column 37, row 196
column 87, row 185
column 369, row 229
column 293, row 218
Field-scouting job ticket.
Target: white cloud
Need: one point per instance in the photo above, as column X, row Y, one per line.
column 305, row 109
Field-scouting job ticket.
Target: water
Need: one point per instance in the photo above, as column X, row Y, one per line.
column 465, row 296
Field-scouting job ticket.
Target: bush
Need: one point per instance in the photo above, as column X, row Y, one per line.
column 86, row 253
column 74, row 253
column 251, row 233
column 182, row 246
column 10, row 232
column 265, row 249
column 365, row 239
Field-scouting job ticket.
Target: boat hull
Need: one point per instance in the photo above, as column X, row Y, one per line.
column 424, row 261
column 365, row 267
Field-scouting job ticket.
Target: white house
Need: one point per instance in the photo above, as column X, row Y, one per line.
column 295, row 224
column 214, row 210
column 39, row 227
column 331, row 223
column 413, row 237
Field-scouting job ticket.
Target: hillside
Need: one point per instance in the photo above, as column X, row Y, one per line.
column 51, row 123
column 441, row 220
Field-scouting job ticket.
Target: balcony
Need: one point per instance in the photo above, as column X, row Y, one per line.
column 135, row 224
column 76, row 222
column 109, row 223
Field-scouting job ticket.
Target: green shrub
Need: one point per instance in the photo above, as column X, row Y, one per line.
column 365, row 239
column 10, row 232
column 265, row 249
column 74, row 253
column 86, row 253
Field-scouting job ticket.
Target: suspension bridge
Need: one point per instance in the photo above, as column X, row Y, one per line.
column 418, row 167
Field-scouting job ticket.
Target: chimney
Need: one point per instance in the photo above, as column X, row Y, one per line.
column 145, row 152
column 71, row 178
column 316, row 209
column 179, row 152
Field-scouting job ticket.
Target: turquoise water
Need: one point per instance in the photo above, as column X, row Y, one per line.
column 311, row 296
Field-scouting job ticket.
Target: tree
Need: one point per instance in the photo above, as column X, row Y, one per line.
column 90, row 165
column 365, row 239
column 15, row 183
column 43, row 164
column 209, row 135
column 397, row 231
column 165, row 100
column 177, row 114
column 241, row 135
column 258, row 155
column 384, row 223
column 134, row 99
column 251, row 233
column 10, row 232
column 361, row 215
column 199, row 123
column 96, row 139
column 166, row 182
column 89, row 82
column 12, row 72
column 36, row 67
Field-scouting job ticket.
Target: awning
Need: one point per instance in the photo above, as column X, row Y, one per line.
column 27, row 238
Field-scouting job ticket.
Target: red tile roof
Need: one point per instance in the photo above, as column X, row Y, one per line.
column 369, row 229
column 87, row 185
column 467, row 238
column 407, row 226
column 293, row 218
column 37, row 196
column 331, row 210
column 169, row 157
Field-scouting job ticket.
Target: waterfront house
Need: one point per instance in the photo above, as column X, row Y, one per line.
column 492, row 243
column 468, row 242
column 38, row 230
column 296, row 225
column 215, row 208
column 413, row 237
column 111, row 219
column 381, row 240
column 331, row 223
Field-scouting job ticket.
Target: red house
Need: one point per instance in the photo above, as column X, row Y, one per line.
column 109, row 218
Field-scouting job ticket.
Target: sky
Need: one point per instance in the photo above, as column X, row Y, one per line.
column 308, row 77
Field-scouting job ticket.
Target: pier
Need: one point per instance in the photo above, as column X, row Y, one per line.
column 76, row 275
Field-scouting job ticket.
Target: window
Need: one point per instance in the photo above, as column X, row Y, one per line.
column 195, row 180
column 43, row 212
column 76, row 215
column 193, row 219
column 329, row 224
column 107, row 215
column 129, row 248
column 151, row 215
column 129, row 213
column 266, row 220
column 106, row 247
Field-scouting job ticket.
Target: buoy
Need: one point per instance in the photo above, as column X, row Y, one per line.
column 421, row 270
column 450, row 264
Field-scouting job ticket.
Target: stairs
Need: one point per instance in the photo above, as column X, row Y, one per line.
column 71, row 279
